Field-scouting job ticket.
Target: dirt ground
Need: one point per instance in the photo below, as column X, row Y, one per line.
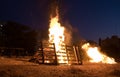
column 19, row 67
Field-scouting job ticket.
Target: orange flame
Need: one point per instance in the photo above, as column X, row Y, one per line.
column 56, row 36
column 96, row 55
column 56, row 33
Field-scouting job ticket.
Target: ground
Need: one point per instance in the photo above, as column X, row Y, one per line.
column 20, row 67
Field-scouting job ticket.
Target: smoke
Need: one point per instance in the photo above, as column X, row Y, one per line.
column 68, row 33
column 54, row 8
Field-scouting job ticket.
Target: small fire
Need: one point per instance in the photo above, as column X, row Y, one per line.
column 56, row 36
column 96, row 55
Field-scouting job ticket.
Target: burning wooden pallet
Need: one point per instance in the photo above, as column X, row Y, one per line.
column 47, row 54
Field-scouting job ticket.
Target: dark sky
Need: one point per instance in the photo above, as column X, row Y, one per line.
column 92, row 18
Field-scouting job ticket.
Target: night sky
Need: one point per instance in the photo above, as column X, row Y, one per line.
column 92, row 18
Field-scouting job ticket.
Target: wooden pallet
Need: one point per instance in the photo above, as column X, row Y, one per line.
column 47, row 54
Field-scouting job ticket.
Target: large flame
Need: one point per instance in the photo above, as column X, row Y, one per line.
column 96, row 55
column 56, row 33
column 56, row 36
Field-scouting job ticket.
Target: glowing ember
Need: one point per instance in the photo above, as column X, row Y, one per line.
column 96, row 56
column 56, row 35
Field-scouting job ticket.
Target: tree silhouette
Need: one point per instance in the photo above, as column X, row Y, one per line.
column 111, row 46
column 15, row 35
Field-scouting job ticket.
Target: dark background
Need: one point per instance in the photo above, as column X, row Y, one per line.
column 91, row 18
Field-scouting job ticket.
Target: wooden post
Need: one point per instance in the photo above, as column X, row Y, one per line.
column 41, row 51
column 55, row 55
column 76, row 55
column 79, row 55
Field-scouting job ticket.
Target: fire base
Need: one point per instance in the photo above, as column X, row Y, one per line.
column 47, row 54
